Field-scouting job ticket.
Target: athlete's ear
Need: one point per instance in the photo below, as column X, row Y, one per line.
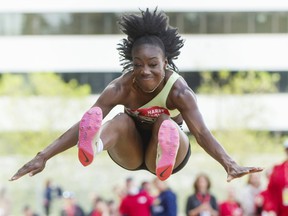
column 165, row 63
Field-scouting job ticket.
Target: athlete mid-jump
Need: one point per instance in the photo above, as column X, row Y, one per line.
column 147, row 135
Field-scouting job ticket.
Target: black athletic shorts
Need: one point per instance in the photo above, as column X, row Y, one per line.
column 146, row 136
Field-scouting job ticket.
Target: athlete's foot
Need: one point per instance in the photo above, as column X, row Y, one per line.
column 168, row 144
column 88, row 133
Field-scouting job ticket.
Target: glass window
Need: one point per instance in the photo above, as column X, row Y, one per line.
column 84, row 24
column 192, row 23
column 10, row 24
column 175, row 21
column 283, row 22
column 107, row 23
column 263, row 22
column 59, row 23
column 53, row 23
column 238, row 22
column 215, row 23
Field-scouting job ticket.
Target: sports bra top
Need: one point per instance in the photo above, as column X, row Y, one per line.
column 149, row 112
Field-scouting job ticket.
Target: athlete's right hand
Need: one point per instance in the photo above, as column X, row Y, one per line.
column 34, row 166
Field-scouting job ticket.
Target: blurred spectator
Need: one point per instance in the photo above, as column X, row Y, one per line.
column 49, row 194
column 146, row 186
column 165, row 203
column 112, row 208
column 5, row 205
column 278, row 186
column 248, row 194
column 47, row 197
column 119, row 191
column 71, row 208
column 27, row 211
column 129, row 185
column 263, row 202
column 136, row 202
column 202, row 202
column 100, row 207
column 230, row 207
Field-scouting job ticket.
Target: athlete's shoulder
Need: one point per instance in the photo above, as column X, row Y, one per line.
column 119, row 83
column 180, row 86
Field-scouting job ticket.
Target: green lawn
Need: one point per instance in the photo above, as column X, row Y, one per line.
column 100, row 177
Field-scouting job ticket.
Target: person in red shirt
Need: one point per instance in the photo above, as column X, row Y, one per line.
column 136, row 202
column 230, row 207
column 100, row 207
column 263, row 202
column 278, row 186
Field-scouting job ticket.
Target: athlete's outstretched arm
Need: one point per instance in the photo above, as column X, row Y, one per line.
column 37, row 164
column 185, row 102
column 107, row 100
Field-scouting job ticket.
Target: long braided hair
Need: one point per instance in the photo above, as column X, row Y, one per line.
column 152, row 28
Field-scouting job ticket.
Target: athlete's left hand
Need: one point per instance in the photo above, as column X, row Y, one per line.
column 34, row 166
column 239, row 171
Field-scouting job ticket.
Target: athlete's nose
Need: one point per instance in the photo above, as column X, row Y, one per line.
column 145, row 71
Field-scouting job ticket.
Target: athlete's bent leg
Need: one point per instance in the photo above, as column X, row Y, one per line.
column 167, row 149
column 123, row 142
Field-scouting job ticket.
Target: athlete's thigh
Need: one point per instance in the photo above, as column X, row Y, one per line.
column 150, row 154
column 122, row 141
column 183, row 147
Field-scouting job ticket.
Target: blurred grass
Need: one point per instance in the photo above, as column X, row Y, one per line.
column 246, row 147
column 16, row 148
column 25, row 143
column 65, row 170
column 234, row 141
column 242, row 141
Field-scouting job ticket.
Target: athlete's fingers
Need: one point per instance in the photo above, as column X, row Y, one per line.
column 255, row 169
column 244, row 171
column 21, row 172
column 230, row 178
column 33, row 167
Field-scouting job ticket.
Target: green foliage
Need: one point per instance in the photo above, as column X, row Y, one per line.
column 243, row 82
column 244, row 142
column 25, row 142
column 44, row 84
column 35, row 84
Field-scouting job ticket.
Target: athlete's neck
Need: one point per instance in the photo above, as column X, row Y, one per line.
column 148, row 91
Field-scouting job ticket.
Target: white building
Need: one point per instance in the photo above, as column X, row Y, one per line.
column 78, row 38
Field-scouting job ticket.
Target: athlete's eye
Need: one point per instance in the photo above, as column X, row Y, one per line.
column 137, row 65
column 153, row 65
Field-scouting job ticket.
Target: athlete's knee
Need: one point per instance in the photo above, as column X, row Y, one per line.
column 123, row 120
column 159, row 121
column 122, row 117
column 164, row 116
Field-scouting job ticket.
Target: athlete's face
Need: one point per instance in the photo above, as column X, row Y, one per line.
column 149, row 65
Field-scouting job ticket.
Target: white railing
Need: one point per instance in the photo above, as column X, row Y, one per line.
column 98, row 53
column 128, row 5
column 259, row 112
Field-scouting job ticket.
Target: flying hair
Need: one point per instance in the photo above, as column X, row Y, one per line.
column 148, row 27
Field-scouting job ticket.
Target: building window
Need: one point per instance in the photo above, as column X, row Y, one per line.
column 263, row 22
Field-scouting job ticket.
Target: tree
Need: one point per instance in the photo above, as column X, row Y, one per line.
column 243, row 82
column 17, row 86
column 41, row 84
column 226, row 85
